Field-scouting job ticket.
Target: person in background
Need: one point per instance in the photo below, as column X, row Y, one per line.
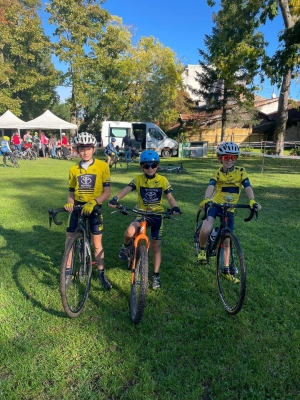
column 36, row 144
column 64, row 140
column 52, row 146
column 110, row 151
column 126, row 143
column 5, row 149
column 16, row 140
column 27, row 134
column 44, row 143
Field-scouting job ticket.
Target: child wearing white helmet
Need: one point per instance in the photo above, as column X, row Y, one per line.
column 89, row 185
column 228, row 180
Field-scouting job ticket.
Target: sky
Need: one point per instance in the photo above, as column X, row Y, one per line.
column 180, row 25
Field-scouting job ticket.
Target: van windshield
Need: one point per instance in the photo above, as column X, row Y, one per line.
column 119, row 132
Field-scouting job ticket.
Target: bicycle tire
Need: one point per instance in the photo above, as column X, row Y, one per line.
column 197, row 227
column 231, row 286
column 14, row 161
column 75, row 295
column 18, row 154
column 31, row 155
column 121, row 165
column 138, row 291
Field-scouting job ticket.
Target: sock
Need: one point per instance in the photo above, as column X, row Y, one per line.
column 100, row 272
column 155, row 273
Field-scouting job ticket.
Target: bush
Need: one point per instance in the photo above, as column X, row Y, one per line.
column 295, row 151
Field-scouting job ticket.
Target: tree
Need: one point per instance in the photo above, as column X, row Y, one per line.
column 27, row 76
column 280, row 68
column 79, row 24
column 230, row 63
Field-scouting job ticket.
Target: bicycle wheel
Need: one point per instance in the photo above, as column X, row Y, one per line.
column 231, row 281
column 18, row 153
column 14, row 161
column 198, row 224
column 138, row 292
column 31, row 155
column 75, row 293
column 121, row 165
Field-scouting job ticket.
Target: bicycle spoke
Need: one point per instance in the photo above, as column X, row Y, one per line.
column 232, row 280
column 139, row 287
column 75, row 282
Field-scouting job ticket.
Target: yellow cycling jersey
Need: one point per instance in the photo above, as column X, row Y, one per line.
column 88, row 184
column 228, row 184
column 150, row 191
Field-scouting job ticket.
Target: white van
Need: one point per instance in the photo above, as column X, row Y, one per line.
column 144, row 135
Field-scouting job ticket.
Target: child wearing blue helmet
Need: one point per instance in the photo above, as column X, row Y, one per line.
column 110, row 151
column 150, row 188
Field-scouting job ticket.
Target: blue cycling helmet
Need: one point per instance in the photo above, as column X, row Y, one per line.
column 113, row 139
column 149, row 155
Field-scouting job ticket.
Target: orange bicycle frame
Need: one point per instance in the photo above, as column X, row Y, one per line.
column 142, row 235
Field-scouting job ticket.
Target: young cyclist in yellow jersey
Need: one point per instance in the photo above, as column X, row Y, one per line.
column 227, row 181
column 150, row 188
column 89, row 185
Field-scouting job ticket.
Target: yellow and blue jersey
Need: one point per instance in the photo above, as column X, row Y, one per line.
column 88, row 184
column 150, row 191
column 229, row 184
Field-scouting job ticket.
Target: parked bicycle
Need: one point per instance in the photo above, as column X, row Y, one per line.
column 138, row 261
column 177, row 169
column 77, row 257
column 27, row 154
column 223, row 243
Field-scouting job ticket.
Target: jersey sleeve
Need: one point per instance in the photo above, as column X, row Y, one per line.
column 167, row 188
column 132, row 184
column 72, row 182
column 106, row 177
column 245, row 178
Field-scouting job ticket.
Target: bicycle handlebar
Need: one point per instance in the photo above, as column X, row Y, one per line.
column 124, row 210
column 53, row 213
column 253, row 210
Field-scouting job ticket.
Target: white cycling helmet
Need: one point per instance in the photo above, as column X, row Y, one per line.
column 84, row 139
column 228, row 148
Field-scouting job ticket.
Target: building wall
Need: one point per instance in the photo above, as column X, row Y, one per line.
column 189, row 78
column 237, row 135
column 292, row 134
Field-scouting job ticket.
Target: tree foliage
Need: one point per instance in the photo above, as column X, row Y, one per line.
column 230, row 62
column 27, row 76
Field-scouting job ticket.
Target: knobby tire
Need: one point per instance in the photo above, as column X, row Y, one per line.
column 76, row 294
column 232, row 293
column 138, row 292
column 121, row 166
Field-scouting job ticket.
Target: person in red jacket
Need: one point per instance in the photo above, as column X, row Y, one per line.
column 16, row 140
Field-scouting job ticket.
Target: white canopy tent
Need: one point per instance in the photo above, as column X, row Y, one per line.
column 9, row 121
column 48, row 121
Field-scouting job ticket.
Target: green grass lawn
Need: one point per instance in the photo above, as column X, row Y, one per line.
column 187, row 346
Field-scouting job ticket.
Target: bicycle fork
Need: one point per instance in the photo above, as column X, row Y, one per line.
column 141, row 236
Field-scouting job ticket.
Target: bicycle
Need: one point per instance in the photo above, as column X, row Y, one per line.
column 138, row 261
column 13, row 159
column 27, row 154
column 78, row 258
column 232, row 283
column 119, row 162
column 178, row 169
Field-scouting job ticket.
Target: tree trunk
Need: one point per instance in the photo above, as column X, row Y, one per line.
column 224, row 121
column 282, row 116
